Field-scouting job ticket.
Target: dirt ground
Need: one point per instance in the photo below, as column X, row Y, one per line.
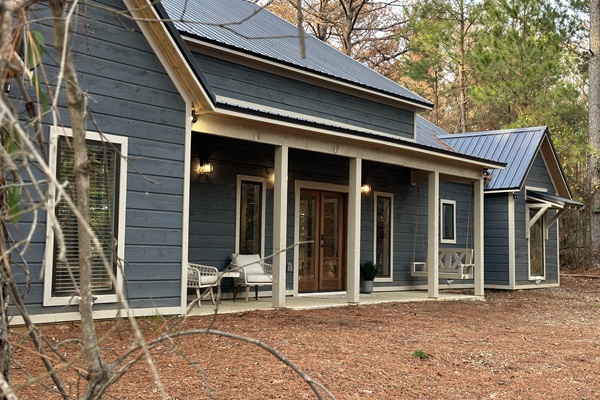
column 533, row 344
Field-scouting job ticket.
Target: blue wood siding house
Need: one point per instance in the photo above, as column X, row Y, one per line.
column 136, row 106
column 290, row 141
column 235, row 144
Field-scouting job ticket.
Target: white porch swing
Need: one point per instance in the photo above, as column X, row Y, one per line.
column 454, row 263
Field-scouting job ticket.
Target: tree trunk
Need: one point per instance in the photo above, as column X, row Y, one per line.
column 98, row 371
column 5, row 351
column 594, row 134
column 462, row 84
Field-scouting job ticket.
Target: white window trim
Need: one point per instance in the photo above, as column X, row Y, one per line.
column 391, row 197
column 55, row 133
column 442, row 203
column 238, row 210
column 528, row 235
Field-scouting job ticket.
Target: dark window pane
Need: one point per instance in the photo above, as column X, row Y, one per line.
column 383, row 244
column 448, row 221
column 250, row 218
column 536, row 246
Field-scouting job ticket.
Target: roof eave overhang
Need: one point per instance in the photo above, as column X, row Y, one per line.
column 364, row 137
column 298, row 73
column 503, row 190
column 554, row 201
column 554, row 168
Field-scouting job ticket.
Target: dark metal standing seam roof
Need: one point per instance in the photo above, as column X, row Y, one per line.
column 429, row 134
column 247, row 27
column 515, row 147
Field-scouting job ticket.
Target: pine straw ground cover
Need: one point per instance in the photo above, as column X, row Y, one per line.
column 534, row 344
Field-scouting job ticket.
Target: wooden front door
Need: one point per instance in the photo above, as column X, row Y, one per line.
column 322, row 221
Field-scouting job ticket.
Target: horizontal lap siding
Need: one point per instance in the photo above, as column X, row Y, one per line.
column 410, row 218
column 266, row 89
column 496, row 239
column 213, row 197
column 395, row 180
column 538, row 177
column 131, row 95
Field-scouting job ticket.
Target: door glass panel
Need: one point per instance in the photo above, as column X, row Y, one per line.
column 331, row 238
column 308, row 232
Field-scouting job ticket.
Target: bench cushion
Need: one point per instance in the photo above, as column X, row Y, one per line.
column 250, row 263
column 208, row 279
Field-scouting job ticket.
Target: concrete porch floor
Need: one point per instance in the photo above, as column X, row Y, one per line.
column 315, row 301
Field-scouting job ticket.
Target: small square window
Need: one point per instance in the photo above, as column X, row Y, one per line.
column 448, row 218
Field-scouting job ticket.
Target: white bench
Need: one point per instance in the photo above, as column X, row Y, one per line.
column 453, row 264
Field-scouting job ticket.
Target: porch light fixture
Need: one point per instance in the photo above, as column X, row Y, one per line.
column 270, row 174
column 206, row 168
column 487, row 175
column 365, row 188
column 194, row 117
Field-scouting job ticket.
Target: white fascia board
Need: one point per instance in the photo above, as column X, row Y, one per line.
column 547, row 150
column 501, row 191
column 249, row 58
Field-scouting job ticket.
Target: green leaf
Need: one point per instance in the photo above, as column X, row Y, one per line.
column 35, row 49
column 11, row 143
column 41, row 95
column 13, row 197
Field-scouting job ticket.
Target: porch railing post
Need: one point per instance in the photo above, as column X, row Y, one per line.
column 433, row 234
column 354, row 206
column 279, row 225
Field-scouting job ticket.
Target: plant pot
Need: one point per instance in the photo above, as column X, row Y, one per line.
column 366, row 287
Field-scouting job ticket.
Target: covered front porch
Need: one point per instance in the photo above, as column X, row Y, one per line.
column 327, row 300
column 280, row 187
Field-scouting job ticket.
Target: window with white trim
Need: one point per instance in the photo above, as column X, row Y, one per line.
column 384, row 217
column 448, row 218
column 108, row 177
column 536, row 243
column 536, row 234
column 251, row 206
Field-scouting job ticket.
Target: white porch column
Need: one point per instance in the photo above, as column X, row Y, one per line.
column 280, row 225
column 353, row 256
column 433, row 234
column 478, row 240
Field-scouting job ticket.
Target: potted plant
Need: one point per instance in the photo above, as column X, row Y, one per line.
column 368, row 272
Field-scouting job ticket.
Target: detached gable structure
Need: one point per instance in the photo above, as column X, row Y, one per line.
column 523, row 203
column 237, row 145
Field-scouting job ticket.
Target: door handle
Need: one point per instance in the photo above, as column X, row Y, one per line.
column 322, row 240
